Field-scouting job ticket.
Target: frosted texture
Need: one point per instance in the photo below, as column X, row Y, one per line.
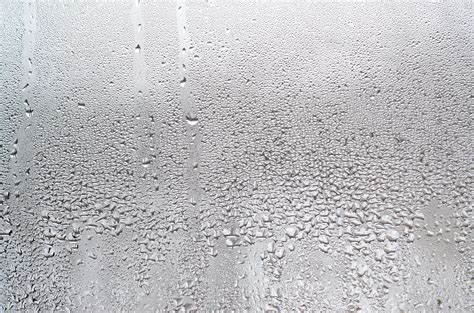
column 221, row 155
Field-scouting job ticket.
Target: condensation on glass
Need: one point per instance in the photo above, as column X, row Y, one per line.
column 224, row 155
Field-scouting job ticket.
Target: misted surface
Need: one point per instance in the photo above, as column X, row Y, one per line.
column 248, row 156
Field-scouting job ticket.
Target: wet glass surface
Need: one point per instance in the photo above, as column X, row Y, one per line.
column 223, row 155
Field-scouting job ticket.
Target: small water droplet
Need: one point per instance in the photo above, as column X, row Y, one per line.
column 183, row 82
column 191, row 119
column 29, row 111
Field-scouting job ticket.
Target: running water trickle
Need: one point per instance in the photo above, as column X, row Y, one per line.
column 187, row 104
column 140, row 85
column 22, row 151
column 193, row 138
column 28, row 48
column 22, row 142
column 141, row 95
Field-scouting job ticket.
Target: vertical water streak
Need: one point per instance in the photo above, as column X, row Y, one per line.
column 21, row 154
column 22, row 150
column 188, row 106
column 193, row 139
column 140, row 95
column 29, row 18
column 140, row 88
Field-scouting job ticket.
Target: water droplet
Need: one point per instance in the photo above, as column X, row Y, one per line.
column 191, row 119
column 183, row 82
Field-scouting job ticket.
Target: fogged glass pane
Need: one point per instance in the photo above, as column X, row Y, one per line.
column 236, row 156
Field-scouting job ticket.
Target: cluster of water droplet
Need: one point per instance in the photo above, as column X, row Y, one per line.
column 191, row 159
